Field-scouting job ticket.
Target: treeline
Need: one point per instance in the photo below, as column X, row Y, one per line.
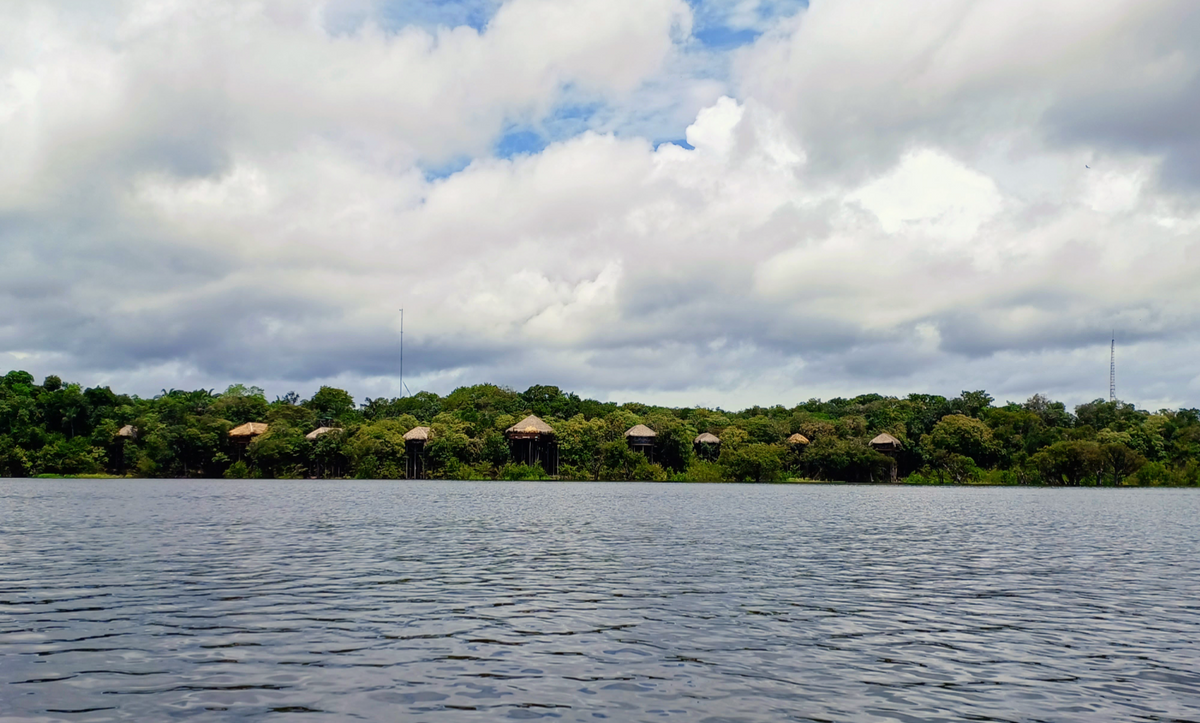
column 55, row 428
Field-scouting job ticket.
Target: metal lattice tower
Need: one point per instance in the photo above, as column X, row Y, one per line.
column 1112, row 369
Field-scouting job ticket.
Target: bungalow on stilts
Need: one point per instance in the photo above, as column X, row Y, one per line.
column 641, row 438
column 707, row 446
column 415, row 440
column 532, row 442
column 244, row 434
column 889, row 445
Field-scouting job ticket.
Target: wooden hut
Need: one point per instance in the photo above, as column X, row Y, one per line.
column 889, row 445
column 797, row 443
column 641, row 438
column 312, row 436
column 415, row 440
column 707, row 446
column 532, row 442
column 244, row 434
column 124, row 434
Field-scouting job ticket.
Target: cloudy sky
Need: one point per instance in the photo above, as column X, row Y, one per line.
column 715, row 202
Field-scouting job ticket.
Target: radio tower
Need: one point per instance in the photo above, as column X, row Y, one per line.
column 1112, row 369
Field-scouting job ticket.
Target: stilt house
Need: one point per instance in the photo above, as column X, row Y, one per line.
column 532, row 442
column 244, row 434
column 312, row 436
column 889, row 445
column 641, row 438
column 707, row 446
column 415, row 440
column 326, row 464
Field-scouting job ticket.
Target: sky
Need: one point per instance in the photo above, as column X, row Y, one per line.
column 713, row 202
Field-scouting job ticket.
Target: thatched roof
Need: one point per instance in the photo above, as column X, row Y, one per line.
column 321, row 430
column 797, row 438
column 530, row 425
column 417, row 434
column 249, row 429
column 707, row 438
column 640, row 430
column 128, row 431
column 885, row 440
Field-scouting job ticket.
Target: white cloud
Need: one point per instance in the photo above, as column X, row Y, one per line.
column 213, row 192
column 931, row 192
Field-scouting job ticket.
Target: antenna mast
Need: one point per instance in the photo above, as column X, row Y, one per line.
column 1112, row 369
column 402, row 352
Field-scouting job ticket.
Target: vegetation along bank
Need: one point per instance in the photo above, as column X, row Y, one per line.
column 489, row 432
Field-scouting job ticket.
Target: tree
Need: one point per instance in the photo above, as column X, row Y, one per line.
column 330, row 404
column 844, row 460
column 754, row 462
column 1069, row 463
column 973, row 404
column 376, row 450
column 240, row 404
column 1052, row 414
column 958, row 435
column 1119, row 462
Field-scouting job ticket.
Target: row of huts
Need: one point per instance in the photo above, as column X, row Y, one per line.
column 532, row 442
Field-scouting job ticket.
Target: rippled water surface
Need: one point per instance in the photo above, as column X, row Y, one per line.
column 464, row 601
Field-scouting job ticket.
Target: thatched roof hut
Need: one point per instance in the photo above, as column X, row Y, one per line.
column 707, row 446
column 528, row 428
column 889, row 445
column 128, row 431
column 797, row 438
column 640, row 431
column 417, row 434
column 531, row 441
column 640, row 438
column 311, row 436
column 886, row 443
column 248, row 430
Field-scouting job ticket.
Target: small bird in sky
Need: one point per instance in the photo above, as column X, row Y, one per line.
column 1086, row 166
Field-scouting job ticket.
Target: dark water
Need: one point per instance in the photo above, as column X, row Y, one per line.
column 150, row 600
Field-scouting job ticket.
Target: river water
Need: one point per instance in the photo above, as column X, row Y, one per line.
column 463, row 601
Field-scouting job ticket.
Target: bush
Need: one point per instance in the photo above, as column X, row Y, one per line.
column 1000, row 477
column 701, row 471
column 755, row 462
column 1153, row 474
column 917, row 478
column 522, row 472
column 238, row 470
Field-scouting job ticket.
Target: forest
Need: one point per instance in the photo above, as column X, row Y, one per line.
column 62, row 429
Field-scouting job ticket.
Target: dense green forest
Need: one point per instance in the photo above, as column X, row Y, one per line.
column 54, row 428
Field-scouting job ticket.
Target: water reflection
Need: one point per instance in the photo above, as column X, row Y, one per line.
column 475, row 601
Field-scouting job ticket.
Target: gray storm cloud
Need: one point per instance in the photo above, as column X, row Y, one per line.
column 216, row 192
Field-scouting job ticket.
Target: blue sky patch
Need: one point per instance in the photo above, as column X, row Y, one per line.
column 520, row 142
column 722, row 37
column 677, row 141
column 445, row 169
column 398, row 14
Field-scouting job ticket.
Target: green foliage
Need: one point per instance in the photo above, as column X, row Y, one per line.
column 60, row 428
column 754, row 462
column 519, row 472
column 846, row 460
column 1072, row 463
column 376, row 450
column 330, row 404
column 960, row 435
column 701, row 471
column 238, row 470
